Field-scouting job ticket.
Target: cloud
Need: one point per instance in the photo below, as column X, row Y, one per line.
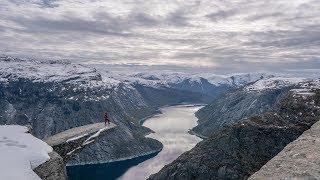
column 221, row 15
column 42, row 3
column 107, row 26
column 214, row 35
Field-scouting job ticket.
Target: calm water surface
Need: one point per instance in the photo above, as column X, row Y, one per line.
column 171, row 129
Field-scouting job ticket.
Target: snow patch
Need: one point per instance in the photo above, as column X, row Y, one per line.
column 274, row 83
column 76, row 138
column 97, row 78
column 20, row 153
column 52, row 71
column 90, row 139
column 302, row 92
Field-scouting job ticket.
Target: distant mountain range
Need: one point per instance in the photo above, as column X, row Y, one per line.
column 53, row 96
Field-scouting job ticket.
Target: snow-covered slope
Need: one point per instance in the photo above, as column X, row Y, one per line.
column 251, row 100
column 20, row 153
column 240, row 79
column 51, row 71
column 156, row 78
column 312, row 84
column 275, row 83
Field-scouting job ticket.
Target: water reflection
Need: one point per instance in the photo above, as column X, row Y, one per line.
column 171, row 129
column 107, row 171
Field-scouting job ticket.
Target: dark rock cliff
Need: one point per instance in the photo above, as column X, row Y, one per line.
column 234, row 107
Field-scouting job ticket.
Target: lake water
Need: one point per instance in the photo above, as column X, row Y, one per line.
column 171, row 129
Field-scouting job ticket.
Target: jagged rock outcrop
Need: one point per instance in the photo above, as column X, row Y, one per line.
column 239, row 150
column 53, row 169
column 72, row 141
column 67, row 144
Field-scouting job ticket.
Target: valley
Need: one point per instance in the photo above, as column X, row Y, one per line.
column 159, row 90
column 54, row 96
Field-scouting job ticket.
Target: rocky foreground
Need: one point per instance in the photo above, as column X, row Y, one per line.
column 299, row 159
column 241, row 149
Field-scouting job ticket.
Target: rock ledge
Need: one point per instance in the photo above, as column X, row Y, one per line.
column 298, row 160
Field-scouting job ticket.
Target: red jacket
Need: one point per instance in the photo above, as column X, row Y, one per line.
column 106, row 117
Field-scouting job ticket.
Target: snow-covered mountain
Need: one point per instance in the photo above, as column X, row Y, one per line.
column 254, row 99
column 275, row 83
column 13, row 69
column 77, row 78
column 86, row 76
column 156, row 78
column 53, row 96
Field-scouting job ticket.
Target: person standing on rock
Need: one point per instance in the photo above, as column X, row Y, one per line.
column 106, row 118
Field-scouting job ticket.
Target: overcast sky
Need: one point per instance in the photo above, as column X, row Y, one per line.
column 211, row 35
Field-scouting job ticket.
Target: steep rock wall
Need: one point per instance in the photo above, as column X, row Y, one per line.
column 53, row 169
column 234, row 107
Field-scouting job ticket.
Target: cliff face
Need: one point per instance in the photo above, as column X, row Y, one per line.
column 117, row 145
column 71, row 142
column 68, row 144
column 53, row 169
column 234, row 107
column 241, row 149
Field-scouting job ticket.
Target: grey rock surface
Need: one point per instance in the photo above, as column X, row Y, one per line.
column 116, row 145
column 77, row 133
column 298, row 160
column 53, row 169
column 72, row 141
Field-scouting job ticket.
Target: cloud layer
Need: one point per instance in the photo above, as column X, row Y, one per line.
column 215, row 35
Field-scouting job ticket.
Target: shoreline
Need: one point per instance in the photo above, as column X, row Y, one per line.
column 119, row 160
column 196, row 134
